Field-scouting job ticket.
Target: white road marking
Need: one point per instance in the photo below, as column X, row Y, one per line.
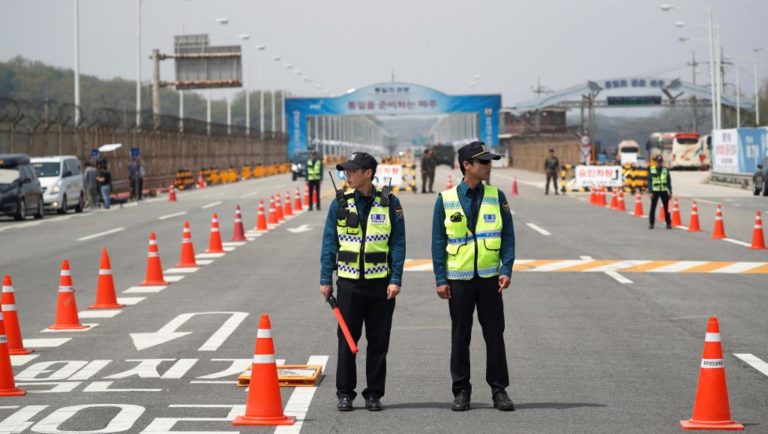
column 45, row 342
column 144, row 289
column 234, row 243
column 301, row 398
column 88, row 326
column 130, row 301
column 173, row 278
column 168, row 332
column 741, row 243
column 739, row 267
column 181, row 270
column 618, row 277
column 169, row 216
column 22, row 359
column 754, row 362
column 247, row 195
column 204, row 261
column 101, row 234
column 100, row 313
column 678, row 266
column 707, row 201
column 538, row 229
column 210, row 205
column 229, row 248
column 209, row 255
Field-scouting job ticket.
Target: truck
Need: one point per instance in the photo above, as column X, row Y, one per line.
column 627, row 151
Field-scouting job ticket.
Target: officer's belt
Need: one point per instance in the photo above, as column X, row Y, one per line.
column 370, row 257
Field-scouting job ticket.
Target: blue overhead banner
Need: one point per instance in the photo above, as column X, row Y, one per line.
column 739, row 150
column 391, row 99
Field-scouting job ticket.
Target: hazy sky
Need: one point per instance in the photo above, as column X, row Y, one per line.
column 343, row 44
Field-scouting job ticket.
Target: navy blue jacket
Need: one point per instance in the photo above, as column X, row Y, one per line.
column 396, row 239
column 440, row 239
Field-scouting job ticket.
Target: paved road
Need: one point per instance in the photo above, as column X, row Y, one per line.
column 590, row 349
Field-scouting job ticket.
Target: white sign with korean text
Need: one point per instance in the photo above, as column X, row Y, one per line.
column 725, row 151
column 608, row 176
column 388, row 172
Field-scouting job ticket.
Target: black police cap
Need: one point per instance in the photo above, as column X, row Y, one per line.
column 358, row 160
column 476, row 151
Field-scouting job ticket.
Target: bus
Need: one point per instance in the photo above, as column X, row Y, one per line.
column 680, row 150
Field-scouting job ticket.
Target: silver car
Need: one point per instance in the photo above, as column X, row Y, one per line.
column 62, row 182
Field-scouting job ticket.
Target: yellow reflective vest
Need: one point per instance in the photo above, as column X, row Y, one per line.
column 473, row 251
column 313, row 170
column 371, row 245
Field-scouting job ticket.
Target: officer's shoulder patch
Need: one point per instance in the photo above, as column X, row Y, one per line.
column 399, row 211
column 505, row 207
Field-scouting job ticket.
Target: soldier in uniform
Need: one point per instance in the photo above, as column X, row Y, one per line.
column 473, row 249
column 364, row 241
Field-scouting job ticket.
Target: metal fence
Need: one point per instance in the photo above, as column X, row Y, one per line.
column 166, row 143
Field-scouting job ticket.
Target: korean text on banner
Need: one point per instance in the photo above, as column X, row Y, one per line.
column 608, row 176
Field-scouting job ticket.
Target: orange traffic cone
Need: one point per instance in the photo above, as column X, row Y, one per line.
column 614, row 201
column 238, row 233
column 7, row 384
column 288, row 209
column 449, row 183
column 200, row 181
column 603, row 201
column 105, row 288
column 272, row 212
column 719, row 232
column 171, row 194
column 15, row 340
column 711, row 409
column 264, row 406
column 261, row 219
column 694, row 225
column 758, row 240
column 306, row 195
column 676, row 220
column 66, row 306
column 621, row 206
column 297, row 202
column 154, row 274
column 187, row 249
column 279, row 208
column 214, row 241
column 592, row 195
column 639, row 205
column 515, row 192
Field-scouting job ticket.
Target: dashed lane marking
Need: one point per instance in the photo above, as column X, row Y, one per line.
column 100, row 234
column 173, row 278
column 45, row 342
column 170, row 216
column 234, row 243
column 144, row 289
column 100, row 313
column 181, row 270
column 130, row 301
column 210, row 205
column 88, row 326
column 204, row 261
column 538, row 229
column 22, row 359
column 622, row 266
column 754, row 362
column 209, row 255
column 301, row 398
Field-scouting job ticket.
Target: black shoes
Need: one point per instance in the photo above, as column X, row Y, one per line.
column 669, row 225
column 345, row 404
column 461, row 402
column 502, row 402
column 373, row 404
column 650, row 226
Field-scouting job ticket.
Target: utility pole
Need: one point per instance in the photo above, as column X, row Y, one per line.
column 693, row 64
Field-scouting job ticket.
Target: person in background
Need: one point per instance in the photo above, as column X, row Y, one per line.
column 91, row 185
column 660, row 187
column 105, row 183
column 136, row 176
column 427, row 171
column 551, row 166
column 314, row 178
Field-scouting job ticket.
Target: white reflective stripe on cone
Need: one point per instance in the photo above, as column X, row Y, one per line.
column 712, row 337
column 105, row 272
column 151, row 254
column 152, row 242
column 66, row 289
column 66, row 273
column 214, row 229
column 712, row 363
column 263, row 359
column 9, row 307
column 7, row 288
column 264, row 333
column 186, row 241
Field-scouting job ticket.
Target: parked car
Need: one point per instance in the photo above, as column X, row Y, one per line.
column 299, row 164
column 19, row 187
column 62, row 182
column 760, row 179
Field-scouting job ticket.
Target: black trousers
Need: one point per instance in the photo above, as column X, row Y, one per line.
column 665, row 202
column 465, row 294
column 314, row 191
column 553, row 177
column 364, row 302
column 427, row 181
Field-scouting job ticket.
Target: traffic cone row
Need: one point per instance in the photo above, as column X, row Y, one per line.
column 261, row 219
column 719, row 232
column 105, row 287
column 238, row 232
column 758, row 240
column 288, row 211
column 515, row 192
column 279, row 208
column 272, row 212
column 67, row 317
column 154, row 275
column 676, row 220
column 171, row 194
column 7, row 383
column 306, row 196
column 639, row 205
column 187, row 249
column 297, row 202
column 694, row 225
column 11, row 319
column 621, row 206
column 214, row 241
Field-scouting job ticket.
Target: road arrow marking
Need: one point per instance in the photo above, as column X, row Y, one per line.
column 300, row 229
column 168, row 332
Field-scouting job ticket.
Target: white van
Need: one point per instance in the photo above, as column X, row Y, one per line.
column 62, row 181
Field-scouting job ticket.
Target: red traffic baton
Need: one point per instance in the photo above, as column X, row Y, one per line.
column 342, row 324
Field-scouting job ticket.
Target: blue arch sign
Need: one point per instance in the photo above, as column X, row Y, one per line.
column 391, row 99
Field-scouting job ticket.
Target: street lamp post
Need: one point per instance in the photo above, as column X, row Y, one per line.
column 757, row 86
column 274, row 120
column 138, row 64
column 77, row 63
column 261, row 93
column 245, row 37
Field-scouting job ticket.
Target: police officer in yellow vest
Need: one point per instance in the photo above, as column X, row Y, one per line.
column 473, row 249
column 660, row 185
column 314, row 177
column 364, row 241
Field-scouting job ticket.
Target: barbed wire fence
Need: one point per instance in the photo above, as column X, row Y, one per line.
column 166, row 143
